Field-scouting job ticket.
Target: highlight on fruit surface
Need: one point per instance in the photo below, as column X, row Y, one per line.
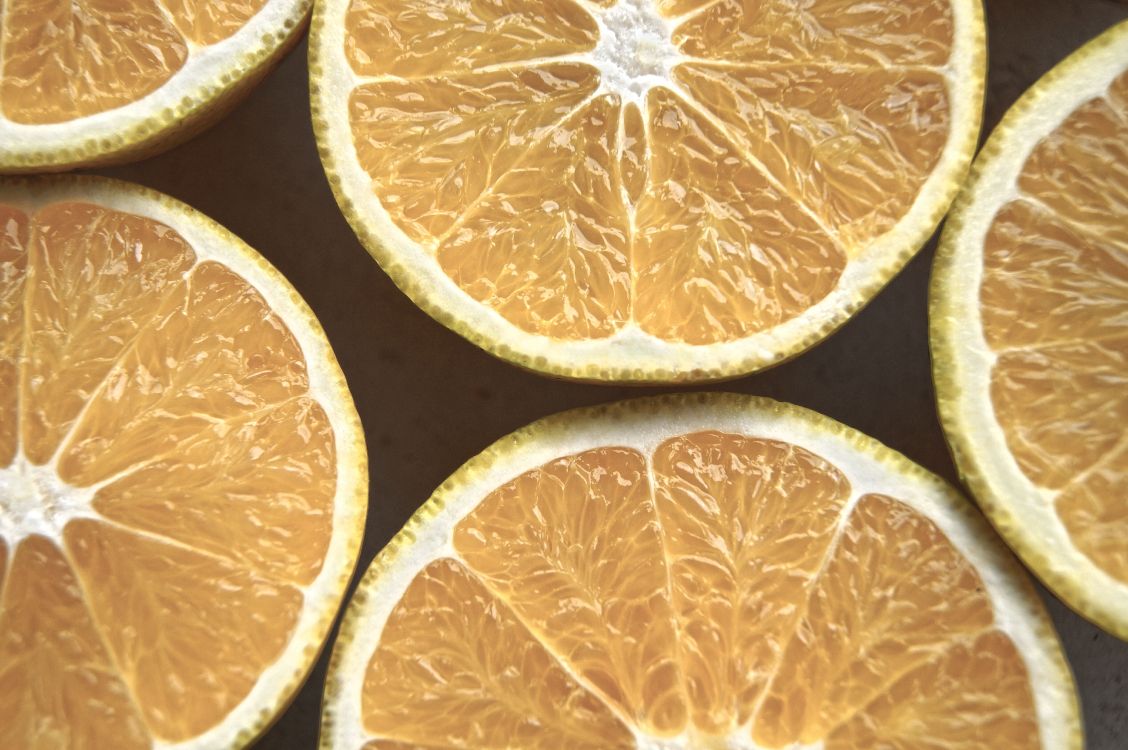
column 183, row 477
column 86, row 82
column 696, row 571
column 645, row 190
column 1029, row 319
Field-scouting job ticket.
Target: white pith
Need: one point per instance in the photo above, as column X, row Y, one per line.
column 635, row 50
column 631, row 353
column 1022, row 510
column 206, row 72
column 644, row 425
column 33, row 500
column 322, row 597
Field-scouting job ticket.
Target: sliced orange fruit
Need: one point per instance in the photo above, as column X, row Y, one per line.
column 182, row 475
column 696, row 572
column 86, row 82
column 1030, row 330
column 645, row 190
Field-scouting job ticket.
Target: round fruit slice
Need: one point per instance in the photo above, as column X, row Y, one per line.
column 87, row 82
column 645, row 190
column 696, row 572
column 1030, row 330
column 182, row 475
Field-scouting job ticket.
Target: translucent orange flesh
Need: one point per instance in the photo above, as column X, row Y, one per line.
column 716, row 588
column 1054, row 302
column 171, row 384
column 13, row 268
column 796, row 137
column 66, row 59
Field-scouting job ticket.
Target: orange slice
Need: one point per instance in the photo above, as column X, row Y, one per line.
column 645, row 190
column 1030, row 330
column 696, row 572
column 182, row 475
column 87, row 82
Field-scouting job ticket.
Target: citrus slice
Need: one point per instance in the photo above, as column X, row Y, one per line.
column 645, row 190
column 182, row 475
column 1029, row 317
column 696, row 572
column 86, row 82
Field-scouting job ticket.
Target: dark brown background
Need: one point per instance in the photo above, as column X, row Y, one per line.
column 430, row 400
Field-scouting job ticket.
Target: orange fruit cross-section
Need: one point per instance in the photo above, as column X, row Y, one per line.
column 171, row 476
column 674, row 173
column 716, row 589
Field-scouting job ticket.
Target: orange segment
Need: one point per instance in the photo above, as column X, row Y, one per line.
column 720, row 252
column 873, row 34
column 741, row 559
column 1080, row 170
column 216, row 353
column 634, row 162
column 853, row 146
column 58, row 684
column 64, row 59
column 894, row 595
column 1045, row 282
column 573, row 547
column 1063, row 407
column 456, row 669
column 1097, row 523
column 207, row 22
column 13, row 268
column 563, row 198
column 674, row 8
column 99, row 277
column 434, row 146
column 190, row 633
column 976, row 696
column 430, row 37
column 270, row 509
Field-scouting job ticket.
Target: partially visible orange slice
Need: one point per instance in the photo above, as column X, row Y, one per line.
column 645, row 190
column 87, row 82
column 696, row 573
column 182, row 475
column 1030, row 330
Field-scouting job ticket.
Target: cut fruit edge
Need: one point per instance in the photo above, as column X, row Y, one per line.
column 961, row 359
column 643, row 424
column 631, row 355
column 213, row 76
column 278, row 683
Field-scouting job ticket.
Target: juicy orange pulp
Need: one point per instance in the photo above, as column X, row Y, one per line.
column 66, row 59
column 717, row 205
column 735, row 593
column 1054, row 304
column 170, row 482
